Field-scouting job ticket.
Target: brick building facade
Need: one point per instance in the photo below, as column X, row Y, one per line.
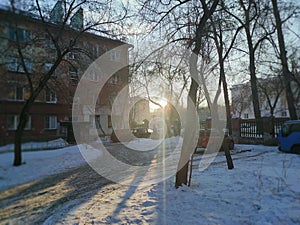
column 53, row 106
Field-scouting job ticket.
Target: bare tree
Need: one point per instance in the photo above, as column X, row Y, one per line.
column 295, row 70
column 222, row 24
column 64, row 39
column 185, row 23
column 271, row 89
column 252, row 16
column 241, row 99
column 283, row 57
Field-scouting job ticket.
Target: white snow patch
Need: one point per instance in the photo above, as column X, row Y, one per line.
column 39, row 164
column 57, row 143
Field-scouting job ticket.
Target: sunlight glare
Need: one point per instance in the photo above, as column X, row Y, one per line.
column 161, row 101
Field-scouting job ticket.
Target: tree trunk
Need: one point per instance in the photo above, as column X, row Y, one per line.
column 23, row 118
column 253, row 79
column 181, row 175
column 190, row 135
column 17, row 148
column 251, row 49
column 253, row 82
column 100, row 126
column 228, row 115
column 227, row 155
column 283, row 58
column 227, row 105
column 24, row 115
column 224, row 83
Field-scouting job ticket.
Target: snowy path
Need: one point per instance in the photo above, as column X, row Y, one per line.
column 34, row 202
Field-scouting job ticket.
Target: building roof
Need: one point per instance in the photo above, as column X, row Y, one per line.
column 6, row 9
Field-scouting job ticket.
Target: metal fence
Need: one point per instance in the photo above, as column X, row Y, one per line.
column 253, row 128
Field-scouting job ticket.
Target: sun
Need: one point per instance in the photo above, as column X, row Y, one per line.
column 161, row 101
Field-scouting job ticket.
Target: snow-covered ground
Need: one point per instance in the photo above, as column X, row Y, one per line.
column 263, row 188
column 30, row 146
column 39, row 164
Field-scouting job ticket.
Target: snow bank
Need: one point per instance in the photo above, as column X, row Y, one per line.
column 54, row 144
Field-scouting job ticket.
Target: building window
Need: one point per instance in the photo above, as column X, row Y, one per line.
column 51, row 122
column 13, row 121
column 14, row 65
column 20, row 35
column 246, row 116
column 26, row 93
column 75, row 118
column 76, row 102
column 96, row 51
column 92, row 98
column 72, row 55
column 115, row 56
column 97, row 121
column 109, row 121
column 18, row 93
column 50, row 96
column 284, row 114
column 28, row 124
column 47, row 67
column 49, row 43
column 93, row 75
column 73, row 74
column 115, row 79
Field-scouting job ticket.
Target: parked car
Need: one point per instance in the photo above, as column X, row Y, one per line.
column 207, row 134
column 289, row 136
column 141, row 132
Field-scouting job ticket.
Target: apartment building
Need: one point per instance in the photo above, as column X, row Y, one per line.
column 272, row 98
column 28, row 52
